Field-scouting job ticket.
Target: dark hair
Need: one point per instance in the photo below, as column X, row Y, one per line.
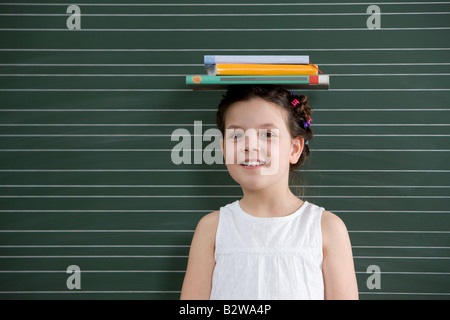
column 297, row 115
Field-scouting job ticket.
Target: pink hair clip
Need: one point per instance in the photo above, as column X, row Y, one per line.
column 307, row 123
column 295, row 102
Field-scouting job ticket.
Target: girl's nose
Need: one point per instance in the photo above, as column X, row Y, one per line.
column 252, row 142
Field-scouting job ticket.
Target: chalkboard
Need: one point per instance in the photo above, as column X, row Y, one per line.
column 93, row 207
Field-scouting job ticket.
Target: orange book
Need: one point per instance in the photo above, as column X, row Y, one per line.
column 262, row 70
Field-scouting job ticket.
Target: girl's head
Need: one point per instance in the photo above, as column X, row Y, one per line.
column 266, row 107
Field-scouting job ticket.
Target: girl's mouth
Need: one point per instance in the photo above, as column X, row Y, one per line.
column 253, row 164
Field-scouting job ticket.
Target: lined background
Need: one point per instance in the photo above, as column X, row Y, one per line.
column 86, row 118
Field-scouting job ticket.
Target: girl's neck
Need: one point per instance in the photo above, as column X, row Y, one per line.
column 270, row 202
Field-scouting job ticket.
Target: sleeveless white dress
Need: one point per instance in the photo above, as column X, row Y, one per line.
column 268, row 258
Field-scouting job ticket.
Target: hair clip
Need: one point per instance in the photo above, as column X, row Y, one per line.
column 307, row 123
column 295, row 102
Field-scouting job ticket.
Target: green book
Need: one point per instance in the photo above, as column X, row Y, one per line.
column 204, row 82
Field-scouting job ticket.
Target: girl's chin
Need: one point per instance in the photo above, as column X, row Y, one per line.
column 251, row 181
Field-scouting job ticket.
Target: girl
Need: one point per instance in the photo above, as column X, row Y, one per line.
column 270, row 244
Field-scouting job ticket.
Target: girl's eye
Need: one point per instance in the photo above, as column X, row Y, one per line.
column 264, row 135
column 235, row 136
column 268, row 134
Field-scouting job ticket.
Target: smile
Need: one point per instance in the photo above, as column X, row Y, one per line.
column 253, row 164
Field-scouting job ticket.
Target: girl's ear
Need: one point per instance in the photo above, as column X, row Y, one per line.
column 296, row 149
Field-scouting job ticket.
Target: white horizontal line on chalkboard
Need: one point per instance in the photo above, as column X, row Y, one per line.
column 88, row 292
column 183, row 257
column 140, row 186
column 364, row 272
column 394, row 90
column 224, row 4
column 398, row 247
column 143, row 110
column 191, row 231
column 183, row 271
column 201, row 65
column 106, row 75
column 178, row 292
column 133, row 170
column 424, row 258
column 379, row 150
column 190, row 90
column 182, row 75
column 377, row 124
column 201, row 211
column 106, row 90
column 213, row 110
column 116, row 211
column 379, row 135
column 215, row 170
column 212, row 125
column 384, row 211
column 406, row 293
column 206, row 196
column 386, row 64
column 169, row 135
column 131, row 271
column 221, row 49
column 218, row 30
column 102, row 64
column 94, row 257
column 100, row 246
column 187, row 246
column 397, row 231
column 217, row 14
column 383, row 74
column 170, row 150
column 360, row 109
column 194, row 186
column 193, row 135
column 100, row 230
column 110, row 124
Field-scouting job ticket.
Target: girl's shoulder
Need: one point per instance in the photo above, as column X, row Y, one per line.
column 332, row 221
column 334, row 230
column 209, row 219
column 209, row 223
column 207, row 226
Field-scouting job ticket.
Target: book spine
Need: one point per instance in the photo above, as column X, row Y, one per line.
column 255, row 59
column 216, row 82
column 262, row 69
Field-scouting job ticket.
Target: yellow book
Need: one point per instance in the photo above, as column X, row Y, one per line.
column 262, row 70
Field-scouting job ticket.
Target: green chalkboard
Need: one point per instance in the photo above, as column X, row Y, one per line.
column 86, row 118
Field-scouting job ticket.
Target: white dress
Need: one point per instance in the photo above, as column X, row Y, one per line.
column 268, row 258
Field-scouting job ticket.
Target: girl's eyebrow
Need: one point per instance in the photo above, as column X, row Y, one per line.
column 270, row 125
column 265, row 125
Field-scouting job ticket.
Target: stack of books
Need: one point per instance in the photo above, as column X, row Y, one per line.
column 291, row 72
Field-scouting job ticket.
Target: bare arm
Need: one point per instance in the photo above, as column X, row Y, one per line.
column 198, row 279
column 338, row 269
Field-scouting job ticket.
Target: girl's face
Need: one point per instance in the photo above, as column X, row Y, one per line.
column 257, row 145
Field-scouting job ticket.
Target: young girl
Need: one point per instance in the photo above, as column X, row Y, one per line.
column 270, row 244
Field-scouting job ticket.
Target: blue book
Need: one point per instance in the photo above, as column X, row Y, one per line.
column 259, row 59
column 204, row 82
